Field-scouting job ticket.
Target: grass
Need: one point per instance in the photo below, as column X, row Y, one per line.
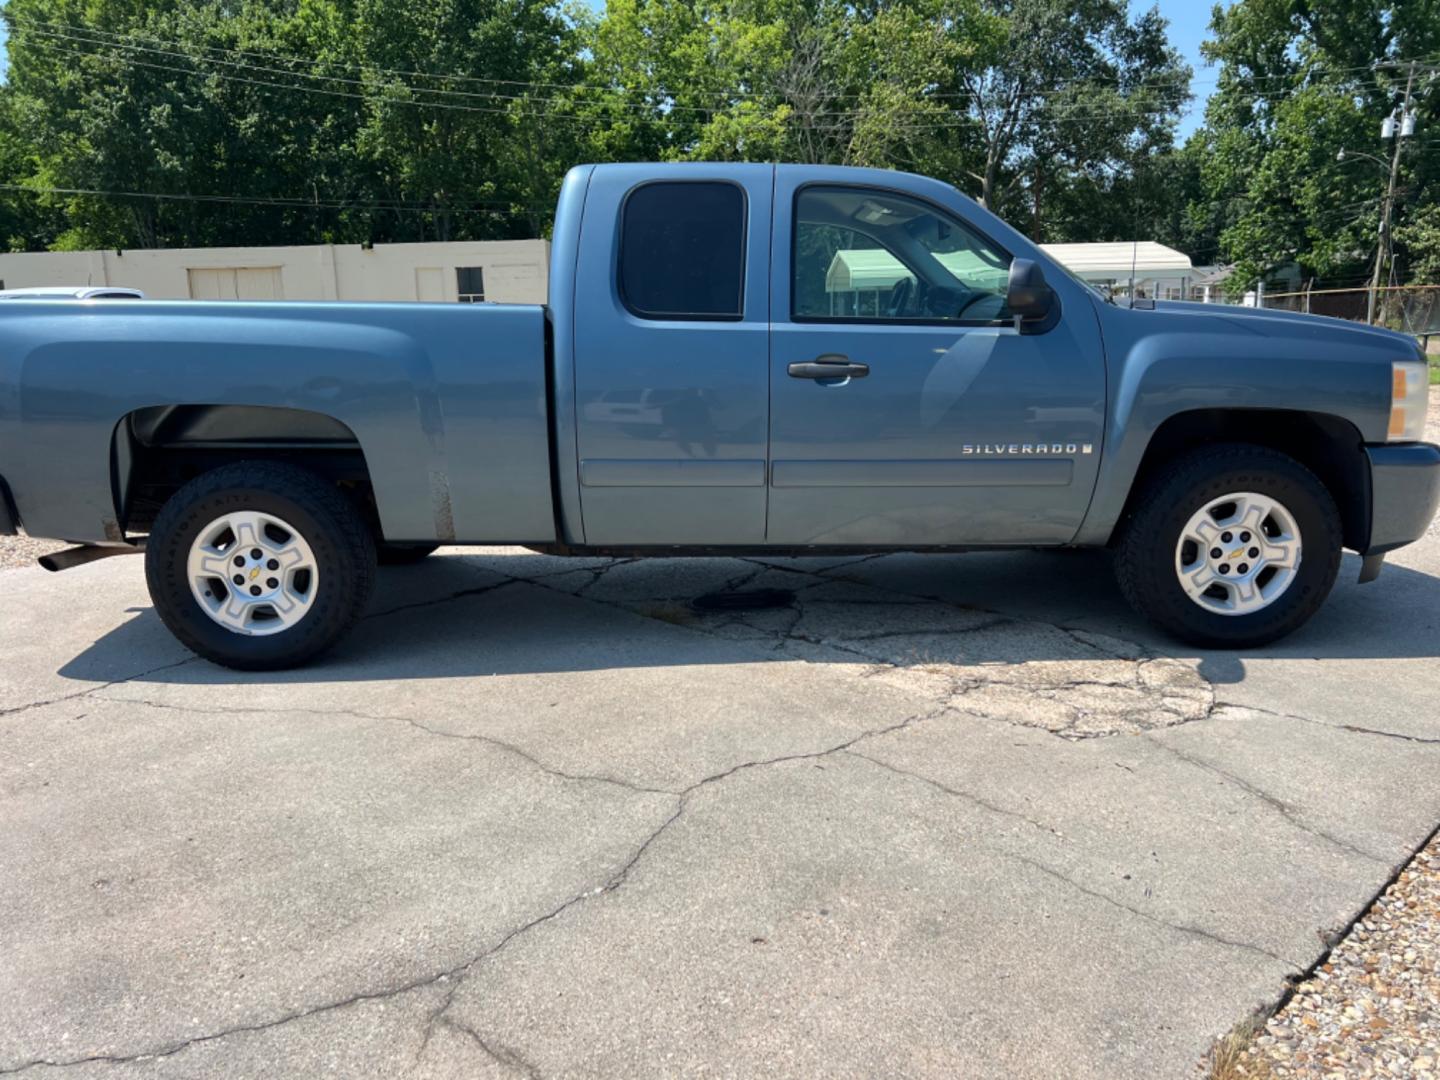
column 1435, row 372
column 1228, row 1058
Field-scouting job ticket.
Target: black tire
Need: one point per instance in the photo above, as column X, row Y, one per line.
column 1146, row 554
column 403, row 554
column 343, row 548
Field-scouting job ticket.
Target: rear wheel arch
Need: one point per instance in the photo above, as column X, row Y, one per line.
column 158, row 449
column 1329, row 446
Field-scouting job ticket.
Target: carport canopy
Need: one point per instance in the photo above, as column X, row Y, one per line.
column 1121, row 260
column 859, row 269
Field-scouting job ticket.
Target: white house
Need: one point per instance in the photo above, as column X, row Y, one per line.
column 505, row 271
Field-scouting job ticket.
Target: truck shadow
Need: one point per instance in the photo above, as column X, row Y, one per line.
column 511, row 614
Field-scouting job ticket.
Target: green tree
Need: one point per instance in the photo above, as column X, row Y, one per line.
column 1024, row 102
column 27, row 223
column 194, row 123
column 1419, row 240
column 1060, row 91
column 1298, row 84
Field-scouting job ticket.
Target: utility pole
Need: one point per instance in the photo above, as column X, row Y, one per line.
column 1399, row 131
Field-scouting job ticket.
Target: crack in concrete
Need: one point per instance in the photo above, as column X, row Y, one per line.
column 459, row 971
column 1120, row 718
column 1354, row 729
column 489, row 740
column 932, row 631
column 1136, row 719
column 503, row 1055
column 1357, row 730
column 459, row 594
column 1158, row 702
column 1182, row 928
column 96, row 689
column 1051, row 871
column 966, row 796
column 171, row 1049
column 1136, row 654
column 597, row 574
column 1284, row 809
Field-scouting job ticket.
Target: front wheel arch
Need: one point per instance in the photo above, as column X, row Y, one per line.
column 1329, row 446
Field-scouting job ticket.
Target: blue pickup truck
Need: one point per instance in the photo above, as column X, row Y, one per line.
column 735, row 358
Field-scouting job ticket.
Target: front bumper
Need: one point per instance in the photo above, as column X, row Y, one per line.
column 9, row 519
column 1404, row 494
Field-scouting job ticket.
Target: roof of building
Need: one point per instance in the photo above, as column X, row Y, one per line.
column 854, row 269
column 1117, row 260
column 72, row 292
column 1211, row 275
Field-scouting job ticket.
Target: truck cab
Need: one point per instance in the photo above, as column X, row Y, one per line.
column 824, row 357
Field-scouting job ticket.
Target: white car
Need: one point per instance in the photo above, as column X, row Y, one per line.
column 72, row 292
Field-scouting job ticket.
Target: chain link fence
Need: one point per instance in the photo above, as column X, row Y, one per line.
column 1411, row 309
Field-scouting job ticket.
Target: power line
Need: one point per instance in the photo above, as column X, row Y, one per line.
column 582, row 120
column 106, row 39
column 283, row 203
column 1097, row 109
column 100, row 37
column 244, row 66
column 668, row 107
column 1174, row 81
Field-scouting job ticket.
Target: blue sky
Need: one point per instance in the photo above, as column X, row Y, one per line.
column 1188, row 22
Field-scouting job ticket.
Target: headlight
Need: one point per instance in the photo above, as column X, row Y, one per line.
column 1409, row 397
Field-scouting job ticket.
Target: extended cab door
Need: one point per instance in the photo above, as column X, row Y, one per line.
column 671, row 347
column 906, row 408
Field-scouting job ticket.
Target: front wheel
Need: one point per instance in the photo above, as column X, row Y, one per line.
column 1231, row 547
column 259, row 565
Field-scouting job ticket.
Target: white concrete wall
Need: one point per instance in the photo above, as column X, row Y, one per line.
column 516, row 271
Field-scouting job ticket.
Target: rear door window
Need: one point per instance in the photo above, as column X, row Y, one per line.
column 682, row 250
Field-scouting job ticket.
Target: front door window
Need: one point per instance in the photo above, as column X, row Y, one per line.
column 863, row 254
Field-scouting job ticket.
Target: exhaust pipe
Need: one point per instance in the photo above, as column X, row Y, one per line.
column 86, row 553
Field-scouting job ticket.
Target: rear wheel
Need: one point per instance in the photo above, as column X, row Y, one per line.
column 259, row 565
column 1231, row 547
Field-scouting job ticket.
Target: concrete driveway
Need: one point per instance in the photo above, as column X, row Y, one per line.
column 944, row 815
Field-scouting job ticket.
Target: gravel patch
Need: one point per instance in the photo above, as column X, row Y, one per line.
column 1373, row 1008
column 22, row 551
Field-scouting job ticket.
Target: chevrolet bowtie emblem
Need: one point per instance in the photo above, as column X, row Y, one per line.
column 1234, row 554
column 254, row 573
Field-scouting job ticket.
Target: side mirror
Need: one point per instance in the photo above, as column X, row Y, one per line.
column 1028, row 297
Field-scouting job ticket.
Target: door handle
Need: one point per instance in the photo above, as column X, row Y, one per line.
column 830, row 366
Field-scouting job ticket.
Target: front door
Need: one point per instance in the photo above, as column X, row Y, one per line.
column 906, row 408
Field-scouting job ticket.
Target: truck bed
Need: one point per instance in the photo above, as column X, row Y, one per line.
column 447, row 404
